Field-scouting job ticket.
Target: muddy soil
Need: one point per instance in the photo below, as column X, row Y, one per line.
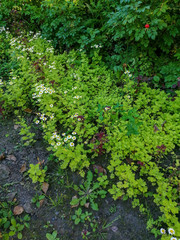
column 117, row 220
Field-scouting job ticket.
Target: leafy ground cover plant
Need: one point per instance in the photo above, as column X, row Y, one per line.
column 83, row 113
column 11, row 225
column 88, row 192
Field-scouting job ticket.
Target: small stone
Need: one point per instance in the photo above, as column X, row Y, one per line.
column 10, row 196
column 4, row 172
column 27, row 207
column 114, row 229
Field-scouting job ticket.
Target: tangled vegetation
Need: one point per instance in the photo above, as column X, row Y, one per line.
column 102, row 86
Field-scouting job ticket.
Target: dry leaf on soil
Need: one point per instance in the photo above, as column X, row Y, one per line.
column 23, row 168
column 16, row 126
column 86, row 205
column 11, row 157
column 28, row 110
column 99, row 169
column 41, row 202
column 18, row 210
column 2, row 156
column 45, row 187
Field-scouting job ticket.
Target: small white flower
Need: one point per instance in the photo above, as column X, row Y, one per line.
column 173, row 238
column 73, row 133
column 44, row 119
column 51, row 105
column 58, row 144
column 65, row 92
column 51, row 117
column 52, row 137
column 128, row 96
column 55, row 146
column 52, row 144
column 76, row 115
column 79, row 119
column 50, row 92
column 130, row 75
column 71, row 144
column 58, row 137
column 69, row 136
column 37, row 121
column 171, row 231
column 65, row 140
column 85, row 142
column 73, row 138
column 63, row 134
column 163, row 231
column 10, row 83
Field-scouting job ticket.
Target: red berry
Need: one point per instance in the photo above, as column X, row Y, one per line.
column 147, row 26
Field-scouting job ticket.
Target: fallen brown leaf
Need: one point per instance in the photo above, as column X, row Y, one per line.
column 23, row 168
column 16, row 126
column 11, row 157
column 41, row 202
column 28, row 110
column 18, row 210
column 99, row 169
column 86, row 205
column 2, row 156
column 45, row 187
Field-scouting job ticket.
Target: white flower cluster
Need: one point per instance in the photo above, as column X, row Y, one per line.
column 2, row 29
column 128, row 73
column 75, row 115
column 52, row 66
column 43, row 117
column 37, row 35
column 77, row 97
column 170, row 231
column 96, row 46
column 51, row 50
column 42, row 89
column 57, row 140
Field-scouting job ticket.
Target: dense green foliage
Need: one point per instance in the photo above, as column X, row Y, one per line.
column 117, row 26
column 83, row 113
column 105, row 83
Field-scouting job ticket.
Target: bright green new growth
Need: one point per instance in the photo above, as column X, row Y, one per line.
column 36, row 174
